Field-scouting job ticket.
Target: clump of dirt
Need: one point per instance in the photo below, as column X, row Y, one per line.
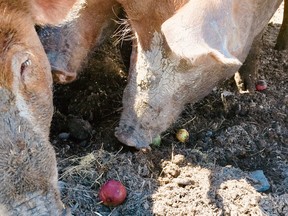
column 231, row 135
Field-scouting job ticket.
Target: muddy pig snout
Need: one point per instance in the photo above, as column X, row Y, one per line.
column 132, row 136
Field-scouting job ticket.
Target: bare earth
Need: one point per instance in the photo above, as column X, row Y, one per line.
column 231, row 135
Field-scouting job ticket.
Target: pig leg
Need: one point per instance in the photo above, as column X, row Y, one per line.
column 282, row 39
column 245, row 78
column 68, row 45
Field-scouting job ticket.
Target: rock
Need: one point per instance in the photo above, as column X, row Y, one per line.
column 64, row 136
column 260, row 181
column 182, row 182
column 79, row 128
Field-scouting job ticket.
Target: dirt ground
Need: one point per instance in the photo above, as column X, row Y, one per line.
column 231, row 135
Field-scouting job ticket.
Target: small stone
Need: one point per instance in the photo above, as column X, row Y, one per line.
column 260, row 182
column 64, row 136
column 79, row 128
column 183, row 182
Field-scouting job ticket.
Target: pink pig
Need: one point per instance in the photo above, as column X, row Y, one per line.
column 183, row 49
column 28, row 172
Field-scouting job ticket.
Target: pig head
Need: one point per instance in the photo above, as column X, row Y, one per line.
column 68, row 45
column 28, row 172
column 183, row 49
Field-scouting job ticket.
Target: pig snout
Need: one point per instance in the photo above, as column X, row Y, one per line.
column 56, row 43
column 142, row 121
column 139, row 132
column 128, row 135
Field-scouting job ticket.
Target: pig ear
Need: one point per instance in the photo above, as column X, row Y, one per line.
column 189, row 35
column 54, row 12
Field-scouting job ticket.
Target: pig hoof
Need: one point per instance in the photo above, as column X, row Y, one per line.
column 243, row 84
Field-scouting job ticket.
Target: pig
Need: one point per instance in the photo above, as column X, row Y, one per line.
column 182, row 50
column 28, row 171
column 68, row 46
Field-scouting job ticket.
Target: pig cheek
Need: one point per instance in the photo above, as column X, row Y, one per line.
column 148, row 117
column 167, row 105
column 162, row 117
column 36, row 92
column 42, row 103
column 155, row 112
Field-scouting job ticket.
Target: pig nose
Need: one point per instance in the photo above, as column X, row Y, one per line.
column 124, row 134
column 128, row 135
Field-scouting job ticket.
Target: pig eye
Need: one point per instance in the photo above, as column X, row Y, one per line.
column 25, row 65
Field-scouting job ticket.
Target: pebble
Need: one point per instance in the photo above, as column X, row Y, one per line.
column 182, row 182
column 260, row 182
column 79, row 128
column 64, row 136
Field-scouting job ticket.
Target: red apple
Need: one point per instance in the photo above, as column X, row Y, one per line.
column 261, row 85
column 112, row 193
